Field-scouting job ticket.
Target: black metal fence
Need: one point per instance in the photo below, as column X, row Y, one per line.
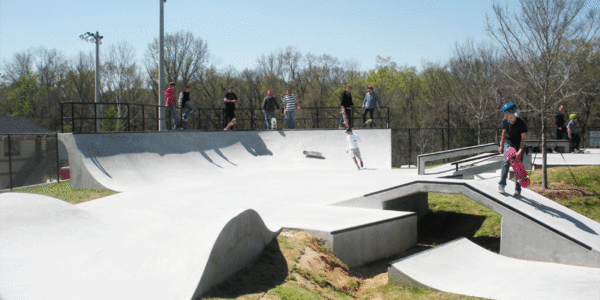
column 28, row 159
column 80, row 117
column 407, row 143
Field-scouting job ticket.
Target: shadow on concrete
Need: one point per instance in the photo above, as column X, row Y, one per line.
column 268, row 271
column 557, row 214
column 94, row 146
column 440, row 227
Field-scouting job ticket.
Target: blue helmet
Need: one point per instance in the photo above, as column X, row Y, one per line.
column 509, row 107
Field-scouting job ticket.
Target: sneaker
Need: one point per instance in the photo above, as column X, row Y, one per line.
column 358, row 167
column 501, row 189
column 517, row 193
column 361, row 164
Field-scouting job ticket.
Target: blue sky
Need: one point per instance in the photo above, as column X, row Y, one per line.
column 237, row 32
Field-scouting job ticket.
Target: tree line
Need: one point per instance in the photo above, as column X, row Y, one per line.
column 547, row 55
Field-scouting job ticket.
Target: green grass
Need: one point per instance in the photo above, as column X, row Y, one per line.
column 587, row 177
column 64, row 191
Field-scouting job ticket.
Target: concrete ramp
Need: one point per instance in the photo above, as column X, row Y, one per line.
column 53, row 250
column 533, row 226
column 462, row 267
column 126, row 161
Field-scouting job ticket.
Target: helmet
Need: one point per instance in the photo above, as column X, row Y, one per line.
column 509, row 107
column 572, row 116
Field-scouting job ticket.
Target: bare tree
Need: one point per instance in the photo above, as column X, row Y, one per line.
column 474, row 73
column 534, row 42
column 185, row 58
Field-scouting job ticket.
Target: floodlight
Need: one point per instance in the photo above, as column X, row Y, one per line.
column 91, row 40
column 81, row 36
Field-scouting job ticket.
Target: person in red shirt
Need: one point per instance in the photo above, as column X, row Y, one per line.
column 172, row 106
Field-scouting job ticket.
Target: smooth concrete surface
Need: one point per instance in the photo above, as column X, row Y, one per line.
column 190, row 214
column 462, row 267
column 533, row 227
column 195, row 207
column 588, row 158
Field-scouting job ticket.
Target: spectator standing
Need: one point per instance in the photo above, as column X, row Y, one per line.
column 290, row 102
column 171, row 106
column 184, row 102
column 346, row 104
column 229, row 100
column 513, row 135
column 573, row 133
column 370, row 102
column 268, row 108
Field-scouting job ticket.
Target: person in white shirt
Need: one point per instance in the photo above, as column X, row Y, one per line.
column 352, row 140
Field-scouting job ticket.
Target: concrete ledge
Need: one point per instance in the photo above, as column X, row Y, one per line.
column 562, row 144
column 359, row 245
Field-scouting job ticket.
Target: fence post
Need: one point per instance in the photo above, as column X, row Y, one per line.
column 409, row 148
column 62, row 120
column 57, row 159
column 10, row 163
column 128, row 117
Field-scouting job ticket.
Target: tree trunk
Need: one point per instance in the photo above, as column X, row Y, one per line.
column 544, row 154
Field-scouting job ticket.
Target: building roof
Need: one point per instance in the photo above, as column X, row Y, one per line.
column 20, row 125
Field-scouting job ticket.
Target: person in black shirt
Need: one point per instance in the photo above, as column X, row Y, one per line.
column 230, row 99
column 346, row 103
column 513, row 135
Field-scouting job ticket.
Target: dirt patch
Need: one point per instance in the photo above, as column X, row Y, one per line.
column 560, row 190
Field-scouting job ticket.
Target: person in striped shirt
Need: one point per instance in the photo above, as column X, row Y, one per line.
column 290, row 102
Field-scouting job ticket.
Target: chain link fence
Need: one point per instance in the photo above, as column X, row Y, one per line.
column 29, row 159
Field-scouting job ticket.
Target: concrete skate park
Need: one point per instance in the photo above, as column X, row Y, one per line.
column 196, row 207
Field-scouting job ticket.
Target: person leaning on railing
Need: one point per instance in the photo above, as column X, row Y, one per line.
column 370, row 102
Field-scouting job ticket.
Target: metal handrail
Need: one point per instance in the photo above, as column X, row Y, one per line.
column 208, row 118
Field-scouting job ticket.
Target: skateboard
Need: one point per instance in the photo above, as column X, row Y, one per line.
column 313, row 154
column 345, row 117
column 230, row 124
column 273, row 123
column 369, row 121
column 517, row 167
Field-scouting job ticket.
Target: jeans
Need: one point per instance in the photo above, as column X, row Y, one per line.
column 506, row 168
column 189, row 109
column 369, row 111
column 228, row 114
column 291, row 119
column 175, row 115
column 349, row 115
column 268, row 116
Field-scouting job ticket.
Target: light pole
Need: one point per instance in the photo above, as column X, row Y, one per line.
column 97, row 39
column 162, row 125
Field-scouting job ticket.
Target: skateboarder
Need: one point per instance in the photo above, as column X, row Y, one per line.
column 172, row 106
column 573, row 133
column 184, row 101
column 230, row 99
column 513, row 135
column 346, row 105
column 352, row 141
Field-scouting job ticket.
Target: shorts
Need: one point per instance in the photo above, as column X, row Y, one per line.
column 355, row 153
